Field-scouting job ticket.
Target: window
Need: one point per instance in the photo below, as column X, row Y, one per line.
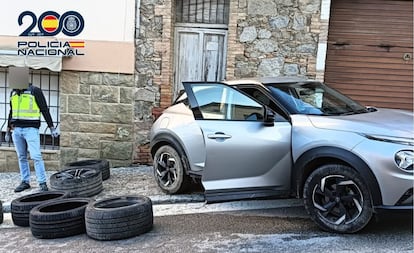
column 49, row 83
column 264, row 100
column 225, row 103
column 203, row 11
column 314, row 98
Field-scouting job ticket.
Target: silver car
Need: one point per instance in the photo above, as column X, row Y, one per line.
column 279, row 137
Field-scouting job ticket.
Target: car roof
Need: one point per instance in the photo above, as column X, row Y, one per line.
column 269, row 80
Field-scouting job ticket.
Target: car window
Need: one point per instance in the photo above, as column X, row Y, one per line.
column 218, row 101
column 264, row 100
column 315, row 99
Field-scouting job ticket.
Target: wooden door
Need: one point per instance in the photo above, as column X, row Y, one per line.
column 200, row 55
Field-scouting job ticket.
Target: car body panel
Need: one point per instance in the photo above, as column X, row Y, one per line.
column 388, row 122
column 393, row 181
column 245, row 158
column 225, row 128
column 306, row 137
column 178, row 123
column 230, row 163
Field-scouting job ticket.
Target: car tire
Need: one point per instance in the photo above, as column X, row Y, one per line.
column 20, row 207
column 337, row 199
column 119, row 218
column 99, row 164
column 78, row 181
column 1, row 212
column 59, row 218
column 169, row 170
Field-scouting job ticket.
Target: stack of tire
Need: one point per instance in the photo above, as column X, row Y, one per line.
column 99, row 164
column 82, row 178
column 109, row 219
column 20, row 207
column 1, row 212
column 59, row 218
column 119, row 218
column 67, row 210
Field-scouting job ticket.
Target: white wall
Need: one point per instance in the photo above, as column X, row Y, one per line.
column 107, row 36
column 104, row 20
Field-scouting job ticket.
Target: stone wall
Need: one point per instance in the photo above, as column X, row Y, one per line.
column 109, row 116
column 9, row 163
column 271, row 38
column 96, row 117
column 154, row 43
column 265, row 38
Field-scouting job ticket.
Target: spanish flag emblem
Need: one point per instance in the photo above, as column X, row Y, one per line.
column 50, row 23
column 77, row 44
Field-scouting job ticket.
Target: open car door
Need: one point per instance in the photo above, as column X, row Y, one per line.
column 246, row 156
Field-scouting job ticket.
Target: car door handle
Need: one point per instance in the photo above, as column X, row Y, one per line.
column 219, row 135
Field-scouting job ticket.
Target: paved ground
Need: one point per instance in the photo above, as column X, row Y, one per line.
column 123, row 181
column 139, row 181
column 267, row 226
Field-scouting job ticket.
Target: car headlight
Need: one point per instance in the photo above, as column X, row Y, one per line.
column 404, row 160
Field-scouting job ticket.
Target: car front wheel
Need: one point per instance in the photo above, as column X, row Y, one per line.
column 169, row 170
column 337, row 199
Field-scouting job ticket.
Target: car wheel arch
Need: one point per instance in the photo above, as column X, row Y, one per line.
column 314, row 158
column 165, row 139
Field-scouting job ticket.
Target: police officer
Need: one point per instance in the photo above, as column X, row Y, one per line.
column 27, row 104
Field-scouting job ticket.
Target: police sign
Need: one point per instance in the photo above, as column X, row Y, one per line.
column 50, row 23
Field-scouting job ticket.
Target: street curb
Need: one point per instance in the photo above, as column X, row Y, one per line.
column 182, row 205
column 156, row 200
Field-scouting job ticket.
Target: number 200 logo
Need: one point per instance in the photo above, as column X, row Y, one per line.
column 50, row 23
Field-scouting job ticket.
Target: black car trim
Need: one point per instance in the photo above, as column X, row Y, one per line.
column 212, row 196
column 393, row 208
column 167, row 139
column 312, row 159
column 193, row 101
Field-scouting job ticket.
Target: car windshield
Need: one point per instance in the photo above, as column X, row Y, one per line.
column 314, row 98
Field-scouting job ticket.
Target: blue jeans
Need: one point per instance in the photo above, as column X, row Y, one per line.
column 29, row 135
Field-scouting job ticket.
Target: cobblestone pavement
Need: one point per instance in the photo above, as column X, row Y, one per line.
column 123, row 181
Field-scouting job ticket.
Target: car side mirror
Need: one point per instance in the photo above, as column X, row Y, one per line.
column 269, row 118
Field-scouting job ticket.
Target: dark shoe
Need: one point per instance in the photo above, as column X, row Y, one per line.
column 43, row 187
column 23, row 186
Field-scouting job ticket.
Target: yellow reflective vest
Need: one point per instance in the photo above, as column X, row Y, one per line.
column 24, row 106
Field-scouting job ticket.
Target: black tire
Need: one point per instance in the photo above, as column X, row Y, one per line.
column 119, row 218
column 20, row 207
column 99, row 164
column 337, row 199
column 59, row 218
column 169, row 170
column 1, row 212
column 78, row 181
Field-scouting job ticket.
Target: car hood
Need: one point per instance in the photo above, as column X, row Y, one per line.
column 387, row 122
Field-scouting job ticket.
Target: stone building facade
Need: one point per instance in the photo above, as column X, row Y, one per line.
column 96, row 117
column 108, row 116
column 265, row 38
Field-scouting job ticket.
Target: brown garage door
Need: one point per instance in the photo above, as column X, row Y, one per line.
column 370, row 49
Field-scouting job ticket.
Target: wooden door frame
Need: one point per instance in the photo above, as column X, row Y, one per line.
column 201, row 29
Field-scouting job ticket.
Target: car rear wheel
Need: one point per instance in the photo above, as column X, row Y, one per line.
column 169, row 170
column 337, row 199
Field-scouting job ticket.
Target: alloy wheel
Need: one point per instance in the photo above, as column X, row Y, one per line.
column 338, row 199
column 75, row 173
column 166, row 169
